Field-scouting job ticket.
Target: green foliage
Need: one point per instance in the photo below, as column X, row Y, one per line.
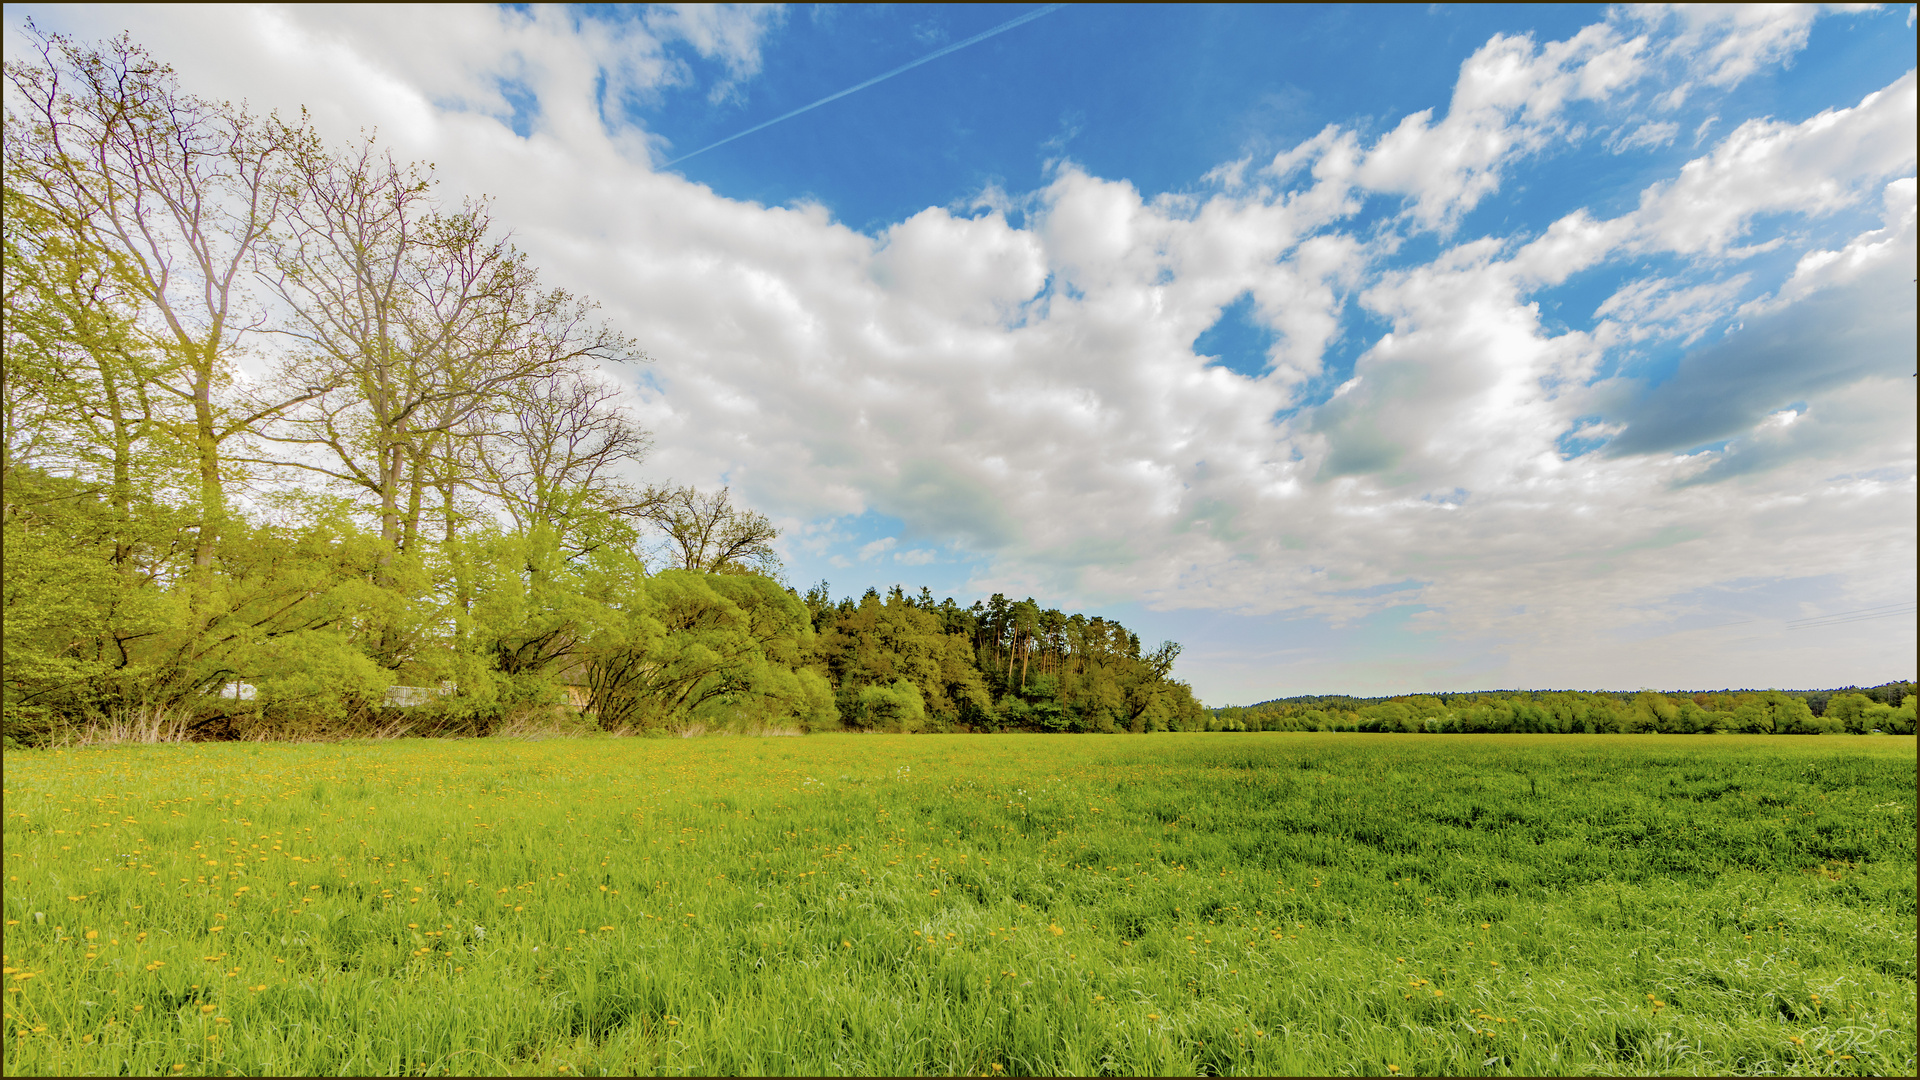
column 104, row 622
column 894, row 707
column 690, row 645
column 1859, row 714
column 1509, row 712
column 880, row 644
column 999, row 665
column 1895, row 721
column 108, row 620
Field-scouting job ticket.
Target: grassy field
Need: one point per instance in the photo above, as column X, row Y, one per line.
column 1265, row 904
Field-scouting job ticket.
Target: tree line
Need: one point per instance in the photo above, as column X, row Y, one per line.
column 907, row 663
column 294, row 446
column 1888, row 708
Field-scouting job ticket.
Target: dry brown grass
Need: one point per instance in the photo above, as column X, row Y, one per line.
column 141, row 725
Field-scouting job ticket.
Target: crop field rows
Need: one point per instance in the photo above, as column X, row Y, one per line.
column 1244, row 904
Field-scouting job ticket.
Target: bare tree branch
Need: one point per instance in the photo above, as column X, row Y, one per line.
column 707, row 533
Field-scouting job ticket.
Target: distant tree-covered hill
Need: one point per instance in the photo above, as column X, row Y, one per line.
column 1888, row 707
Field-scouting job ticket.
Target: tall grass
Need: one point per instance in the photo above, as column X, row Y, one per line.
column 142, row 724
column 1257, row 904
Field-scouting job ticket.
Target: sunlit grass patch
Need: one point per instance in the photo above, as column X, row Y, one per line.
column 990, row 905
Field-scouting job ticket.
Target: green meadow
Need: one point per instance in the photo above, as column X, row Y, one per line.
column 1174, row 904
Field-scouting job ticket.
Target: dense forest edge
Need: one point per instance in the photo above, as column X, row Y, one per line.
column 296, row 449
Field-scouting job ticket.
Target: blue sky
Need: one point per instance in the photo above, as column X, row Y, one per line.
column 1158, row 95
column 1359, row 349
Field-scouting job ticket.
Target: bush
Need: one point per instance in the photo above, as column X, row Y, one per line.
column 896, row 707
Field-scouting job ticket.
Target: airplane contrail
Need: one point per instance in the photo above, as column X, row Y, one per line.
column 910, row 65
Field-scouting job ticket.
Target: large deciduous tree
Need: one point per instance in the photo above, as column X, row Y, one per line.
column 412, row 323
column 172, row 197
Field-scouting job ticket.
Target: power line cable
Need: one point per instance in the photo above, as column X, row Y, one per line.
column 1835, row 620
column 1855, row 611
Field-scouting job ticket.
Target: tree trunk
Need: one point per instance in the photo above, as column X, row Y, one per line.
column 213, row 496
